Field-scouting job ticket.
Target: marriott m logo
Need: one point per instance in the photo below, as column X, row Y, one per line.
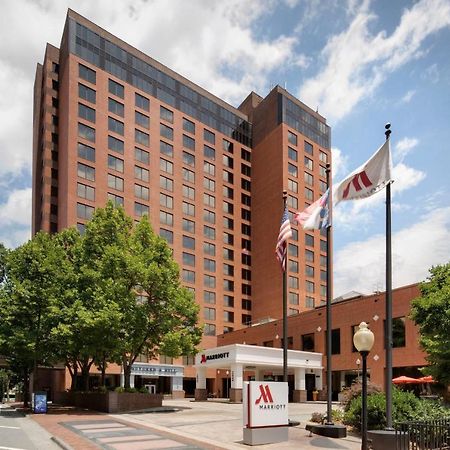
column 356, row 181
column 266, row 395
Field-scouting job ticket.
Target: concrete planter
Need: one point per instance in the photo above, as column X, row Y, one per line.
column 110, row 402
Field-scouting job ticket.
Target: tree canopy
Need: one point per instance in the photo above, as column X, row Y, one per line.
column 431, row 312
column 108, row 295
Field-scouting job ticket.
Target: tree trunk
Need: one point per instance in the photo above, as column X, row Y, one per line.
column 26, row 382
column 126, row 374
column 103, row 372
column 73, row 370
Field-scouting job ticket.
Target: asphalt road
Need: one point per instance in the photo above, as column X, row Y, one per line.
column 22, row 433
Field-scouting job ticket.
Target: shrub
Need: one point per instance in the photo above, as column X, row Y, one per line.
column 354, row 391
column 317, row 417
column 143, row 390
column 430, row 410
column 119, row 389
column 337, row 415
column 102, row 389
column 131, row 390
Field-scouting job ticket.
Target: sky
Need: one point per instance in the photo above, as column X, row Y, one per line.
column 361, row 64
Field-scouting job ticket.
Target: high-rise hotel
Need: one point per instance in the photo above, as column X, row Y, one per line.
column 112, row 123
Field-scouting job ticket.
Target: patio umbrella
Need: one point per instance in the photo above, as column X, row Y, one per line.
column 427, row 379
column 404, row 380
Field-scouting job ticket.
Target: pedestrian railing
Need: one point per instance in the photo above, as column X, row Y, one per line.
column 423, row 435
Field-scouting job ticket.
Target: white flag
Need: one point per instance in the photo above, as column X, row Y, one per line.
column 317, row 215
column 368, row 179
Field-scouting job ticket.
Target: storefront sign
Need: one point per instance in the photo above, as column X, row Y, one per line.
column 265, row 404
column 155, row 370
column 205, row 358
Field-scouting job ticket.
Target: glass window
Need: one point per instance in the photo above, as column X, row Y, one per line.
column 116, row 199
column 142, row 102
column 84, row 211
column 228, row 301
column 293, row 266
column 86, row 73
column 116, row 88
column 308, row 163
column 115, row 144
column 292, row 138
column 245, row 155
column 188, row 259
column 188, row 175
column 209, row 216
column 293, row 186
column 165, row 148
column 166, row 114
column 209, row 329
column 323, row 156
column 308, row 178
column 115, row 182
column 228, row 285
column 209, row 168
column 308, row 148
column 209, row 152
column 228, row 316
column 209, row 184
column 86, row 152
column 86, row 172
column 86, row 93
column 115, row 107
column 228, row 254
column 322, row 171
column 115, row 125
column 188, row 159
column 86, row 132
column 227, row 146
column 188, row 142
column 309, row 286
column 142, row 120
column 293, row 282
column 166, row 218
column 166, row 131
column 308, row 342
column 188, row 209
column 246, row 319
column 292, row 154
column 209, row 265
column 309, row 271
column 141, row 192
column 188, row 276
column 115, row 163
column 309, row 194
column 209, row 297
column 167, row 235
column 292, row 250
column 209, row 232
column 188, row 225
column 166, row 200
column 209, row 136
column 336, row 341
column 209, row 249
column 141, row 174
column 140, row 209
column 84, row 191
column 309, row 255
column 246, row 170
column 309, row 240
column 142, row 138
column 209, row 200
column 142, row 155
column 228, row 223
column 209, row 281
column 323, row 246
column 398, row 332
column 228, row 238
column 293, row 298
column 166, row 183
column 309, row 302
column 188, row 192
column 165, row 165
column 188, row 126
column 188, row 242
column 292, row 170
column 292, row 202
column 323, row 275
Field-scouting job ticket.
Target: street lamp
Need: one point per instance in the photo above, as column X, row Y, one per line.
column 363, row 340
column 227, row 372
column 358, row 363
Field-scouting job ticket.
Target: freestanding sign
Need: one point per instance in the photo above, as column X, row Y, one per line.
column 265, row 412
column 40, row 403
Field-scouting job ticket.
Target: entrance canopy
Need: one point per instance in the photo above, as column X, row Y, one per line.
column 253, row 356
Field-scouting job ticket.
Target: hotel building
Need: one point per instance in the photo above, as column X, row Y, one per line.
column 111, row 123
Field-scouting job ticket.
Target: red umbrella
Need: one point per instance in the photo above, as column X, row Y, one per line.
column 404, row 380
column 427, row 379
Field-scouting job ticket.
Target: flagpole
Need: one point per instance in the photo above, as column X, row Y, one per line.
column 328, row 307
column 285, row 365
column 388, row 336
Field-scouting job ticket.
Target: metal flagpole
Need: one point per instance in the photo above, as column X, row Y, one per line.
column 388, row 330
column 285, row 365
column 328, row 309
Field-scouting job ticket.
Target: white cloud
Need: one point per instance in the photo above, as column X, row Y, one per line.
column 360, row 266
column 17, row 209
column 356, row 61
column 340, row 162
column 431, row 74
column 404, row 146
column 408, row 96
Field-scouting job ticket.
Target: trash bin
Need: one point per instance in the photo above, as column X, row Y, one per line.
column 40, row 402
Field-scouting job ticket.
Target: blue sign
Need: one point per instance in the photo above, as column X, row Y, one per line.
column 40, row 402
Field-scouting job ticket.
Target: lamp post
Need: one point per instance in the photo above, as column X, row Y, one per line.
column 227, row 373
column 363, row 340
column 358, row 363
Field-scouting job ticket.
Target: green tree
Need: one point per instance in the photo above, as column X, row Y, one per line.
column 431, row 312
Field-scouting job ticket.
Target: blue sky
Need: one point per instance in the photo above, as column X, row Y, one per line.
column 360, row 63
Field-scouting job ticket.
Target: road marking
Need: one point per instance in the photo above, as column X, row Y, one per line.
column 4, row 426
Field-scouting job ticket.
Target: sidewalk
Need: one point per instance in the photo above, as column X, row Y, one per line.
column 190, row 425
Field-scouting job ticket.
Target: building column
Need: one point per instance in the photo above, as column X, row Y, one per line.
column 258, row 374
column 131, row 381
column 237, row 373
column 201, row 394
column 122, row 380
column 176, row 387
column 299, row 394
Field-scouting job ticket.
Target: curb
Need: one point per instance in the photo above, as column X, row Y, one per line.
column 61, row 443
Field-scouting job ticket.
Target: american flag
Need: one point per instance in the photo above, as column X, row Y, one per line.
column 283, row 236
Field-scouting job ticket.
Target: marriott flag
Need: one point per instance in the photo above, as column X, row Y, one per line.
column 367, row 179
